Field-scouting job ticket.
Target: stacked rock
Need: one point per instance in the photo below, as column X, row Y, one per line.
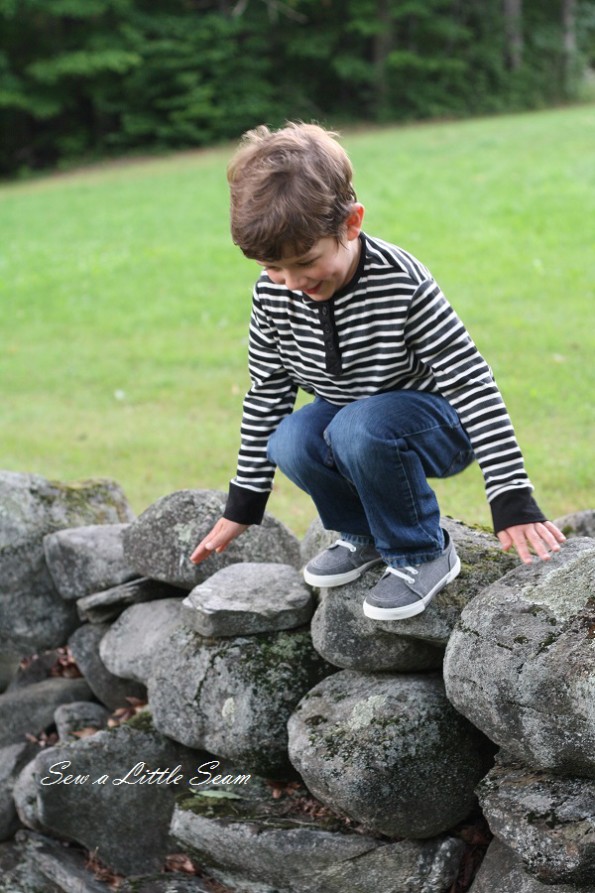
column 278, row 738
column 520, row 665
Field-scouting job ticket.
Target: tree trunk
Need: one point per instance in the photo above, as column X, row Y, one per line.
column 381, row 48
column 569, row 43
column 513, row 30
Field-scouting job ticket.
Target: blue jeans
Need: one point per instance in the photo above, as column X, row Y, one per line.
column 366, row 465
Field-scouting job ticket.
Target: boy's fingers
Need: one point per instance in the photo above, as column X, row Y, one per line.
column 554, row 531
column 542, row 538
column 520, row 543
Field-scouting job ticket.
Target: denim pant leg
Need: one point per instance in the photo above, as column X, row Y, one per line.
column 387, row 446
column 299, row 449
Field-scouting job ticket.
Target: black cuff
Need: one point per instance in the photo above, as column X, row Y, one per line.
column 245, row 506
column 515, row 507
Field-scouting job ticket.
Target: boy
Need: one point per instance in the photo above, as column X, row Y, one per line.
column 400, row 391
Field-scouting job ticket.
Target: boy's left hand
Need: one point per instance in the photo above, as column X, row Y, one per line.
column 542, row 538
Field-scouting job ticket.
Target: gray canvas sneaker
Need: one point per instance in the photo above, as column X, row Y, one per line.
column 342, row 563
column 406, row 591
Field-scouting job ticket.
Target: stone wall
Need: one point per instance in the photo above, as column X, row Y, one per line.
column 250, row 734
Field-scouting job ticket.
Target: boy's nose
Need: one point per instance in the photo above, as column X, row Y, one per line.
column 293, row 281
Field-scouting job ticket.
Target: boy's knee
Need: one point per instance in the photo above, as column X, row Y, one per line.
column 288, row 445
column 349, row 432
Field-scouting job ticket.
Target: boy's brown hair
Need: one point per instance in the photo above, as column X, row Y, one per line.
column 289, row 188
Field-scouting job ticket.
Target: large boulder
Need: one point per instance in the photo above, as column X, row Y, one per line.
column 388, row 751
column 482, row 562
column 548, row 820
column 113, row 792
column 159, row 543
column 233, row 696
column 87, row 559
column 250, row 840
column 346, row 638
column 33, row 616
column 502, row 872
column 521, row 664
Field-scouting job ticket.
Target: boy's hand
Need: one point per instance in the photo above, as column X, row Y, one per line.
column 542, row 537
column 218, row 539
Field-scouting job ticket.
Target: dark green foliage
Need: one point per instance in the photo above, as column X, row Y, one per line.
column 90, row 77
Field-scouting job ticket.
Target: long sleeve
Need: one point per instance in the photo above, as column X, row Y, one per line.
column 270, row 398
column 436, row 335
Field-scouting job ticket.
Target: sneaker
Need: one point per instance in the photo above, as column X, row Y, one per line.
column 342, row 563
column 406, row 591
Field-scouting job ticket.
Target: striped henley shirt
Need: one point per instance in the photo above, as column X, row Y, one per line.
column 389, row 328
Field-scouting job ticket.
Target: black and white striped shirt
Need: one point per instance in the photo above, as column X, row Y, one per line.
column 389, row 328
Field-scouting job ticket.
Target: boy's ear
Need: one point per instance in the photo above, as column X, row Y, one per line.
column 354, row 221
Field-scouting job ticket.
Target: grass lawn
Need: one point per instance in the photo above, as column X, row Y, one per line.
column 124, row 305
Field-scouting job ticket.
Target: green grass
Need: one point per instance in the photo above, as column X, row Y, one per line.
column 124, row 305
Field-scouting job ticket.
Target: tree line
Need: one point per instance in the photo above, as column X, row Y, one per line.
column 87, row 78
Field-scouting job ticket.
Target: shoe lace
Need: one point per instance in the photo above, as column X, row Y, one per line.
column 346, row 545
column 405, row 573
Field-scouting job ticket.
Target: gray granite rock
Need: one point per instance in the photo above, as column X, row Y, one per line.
column 249, row 597
column 24, row 793
column 33, row 616
column 30, row 710
column 130, row 645
column 347, row 639
column 108, row 688
column 106, row 606
column 502, row 872
column 35, row 668
column 233, row 696
column 521, row 664
column 13, row 759
column 388, row 751
column 251, row 842
column 482, row 562
column 9, row 664
column 107, row 807
column 548, row 820
column 159, row 543
column 83, row 560
column 17, row 872
column 577, row 523
column 79, row 716
column 172, row 882
column 61, row 867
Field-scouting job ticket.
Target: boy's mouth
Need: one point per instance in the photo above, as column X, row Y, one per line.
column 314, row 290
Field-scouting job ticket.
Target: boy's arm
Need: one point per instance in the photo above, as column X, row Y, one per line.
column 438, row 337
column 271, row 397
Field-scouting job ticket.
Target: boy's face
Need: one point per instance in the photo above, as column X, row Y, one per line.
column 326, row 267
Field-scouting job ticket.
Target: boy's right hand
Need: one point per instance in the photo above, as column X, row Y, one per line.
column 218, row 539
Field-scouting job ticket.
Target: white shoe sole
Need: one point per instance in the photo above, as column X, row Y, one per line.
column 327, row 581
column 405, row 611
